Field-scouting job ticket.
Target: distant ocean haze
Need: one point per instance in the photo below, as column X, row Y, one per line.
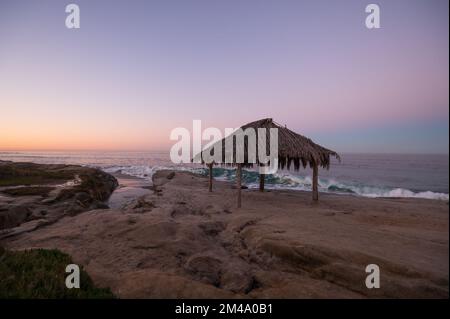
column 370, row 175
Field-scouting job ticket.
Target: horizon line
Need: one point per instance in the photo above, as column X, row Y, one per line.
column 168, row 150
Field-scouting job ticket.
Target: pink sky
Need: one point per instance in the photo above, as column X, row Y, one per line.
column 311, row 65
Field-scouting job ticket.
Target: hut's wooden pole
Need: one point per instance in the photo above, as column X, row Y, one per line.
column 239, row 186
column 261, row 182
column 315, row 187
column 210, row 166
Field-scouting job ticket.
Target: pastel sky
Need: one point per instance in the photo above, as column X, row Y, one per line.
column 137, row 69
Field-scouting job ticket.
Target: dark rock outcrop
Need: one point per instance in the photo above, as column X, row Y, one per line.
column 31, row 191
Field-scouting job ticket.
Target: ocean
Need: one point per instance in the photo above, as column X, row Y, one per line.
column 370, row 175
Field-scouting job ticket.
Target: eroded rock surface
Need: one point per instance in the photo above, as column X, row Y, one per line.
column 181, row 241
column 46, row 193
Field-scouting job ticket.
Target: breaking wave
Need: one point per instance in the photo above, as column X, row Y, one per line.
column 283, row 180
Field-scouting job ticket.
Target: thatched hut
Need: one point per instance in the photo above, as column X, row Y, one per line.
column 294, row 151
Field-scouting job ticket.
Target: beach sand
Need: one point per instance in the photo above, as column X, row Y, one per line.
column 180, row 241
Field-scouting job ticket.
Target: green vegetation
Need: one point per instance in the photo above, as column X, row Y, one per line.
column 16, row 174
column 29, row 191
column 40, row 274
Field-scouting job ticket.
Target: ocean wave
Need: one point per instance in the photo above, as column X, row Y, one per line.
column 142, row 171
column 283, row 180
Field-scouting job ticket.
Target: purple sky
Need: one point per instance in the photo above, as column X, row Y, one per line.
column 137, row 69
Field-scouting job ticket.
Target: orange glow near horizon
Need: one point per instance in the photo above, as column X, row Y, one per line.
column 24, row 133
column 55, row 139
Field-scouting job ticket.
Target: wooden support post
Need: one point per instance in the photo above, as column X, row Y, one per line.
column 239, row 185
column 261, row 182
column 210, row 166
column 315, row 185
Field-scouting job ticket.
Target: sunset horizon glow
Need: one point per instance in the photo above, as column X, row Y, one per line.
column 133, row 72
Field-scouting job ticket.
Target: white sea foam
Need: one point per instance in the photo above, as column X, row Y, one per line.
column 396, row 174
column 285, row 181
column 400, row 192
column 141, row 171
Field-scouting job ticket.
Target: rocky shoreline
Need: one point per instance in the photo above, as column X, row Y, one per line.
column 180, row 241
column 43, row 193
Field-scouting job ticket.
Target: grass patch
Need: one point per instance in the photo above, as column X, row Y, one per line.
column 16, row 174
column 29, row 191
column 40, row 274
column 29, row 180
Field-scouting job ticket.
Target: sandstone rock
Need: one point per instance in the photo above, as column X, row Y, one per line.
column 171, row 175
column 237, row 280
column 206, row 268
column 74, row 189
column 277, row 245
column 13, row 216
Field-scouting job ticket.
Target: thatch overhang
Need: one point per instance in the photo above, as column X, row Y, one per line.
column 293, row 149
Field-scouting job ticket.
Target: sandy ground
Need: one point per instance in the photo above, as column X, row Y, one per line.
column 180, row 241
